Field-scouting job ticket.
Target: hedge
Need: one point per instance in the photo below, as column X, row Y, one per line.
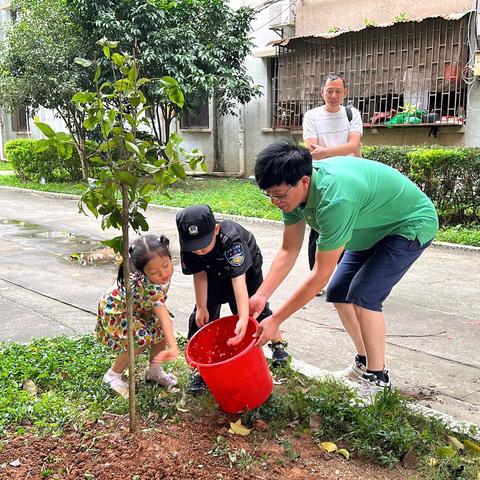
column 33, row 166
column 450, row 176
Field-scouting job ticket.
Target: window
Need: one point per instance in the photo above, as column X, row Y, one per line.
column 196, row 118
column 404, row 75
column 20, row 120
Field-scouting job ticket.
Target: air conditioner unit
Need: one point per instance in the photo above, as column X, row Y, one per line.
column 281, row 14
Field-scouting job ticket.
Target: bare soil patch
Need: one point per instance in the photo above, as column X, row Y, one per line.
column 190, row 447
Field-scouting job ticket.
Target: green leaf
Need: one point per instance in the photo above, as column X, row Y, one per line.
column 90, row 122
column 98, row 71
column 115, row 243
column 83, row 62
column 106, row 51
column 47, row 130
column 83, row 97
column 128, row 178
column 117, row 59
column 131, row 147
column 446, row 452
column 43, row 144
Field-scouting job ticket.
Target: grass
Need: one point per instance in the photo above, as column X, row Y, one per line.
column 5, row 165
column 65, row 389
column 229, row 196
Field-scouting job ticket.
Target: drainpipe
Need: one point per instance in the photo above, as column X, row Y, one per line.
column 241, row 142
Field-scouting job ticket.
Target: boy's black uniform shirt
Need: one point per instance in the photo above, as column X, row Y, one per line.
column 235, row 252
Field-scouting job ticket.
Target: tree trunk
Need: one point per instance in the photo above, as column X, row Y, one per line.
column 129, row 303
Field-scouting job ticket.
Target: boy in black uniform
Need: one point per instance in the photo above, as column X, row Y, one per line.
column 226, row 264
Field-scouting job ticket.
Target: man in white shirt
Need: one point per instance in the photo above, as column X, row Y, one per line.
column 331, row 130
column 327, row 130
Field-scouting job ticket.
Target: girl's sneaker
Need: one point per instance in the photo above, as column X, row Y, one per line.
column 155, row 373
column 280, row 357
column 372, row 385
column 353, row 373
column 116, row 383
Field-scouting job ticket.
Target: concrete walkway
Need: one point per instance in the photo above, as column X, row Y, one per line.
column 433, row 319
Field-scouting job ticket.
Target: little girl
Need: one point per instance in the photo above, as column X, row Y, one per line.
column 152, row 267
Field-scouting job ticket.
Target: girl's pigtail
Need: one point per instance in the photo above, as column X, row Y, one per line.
column 120, row 276
column 162, row 239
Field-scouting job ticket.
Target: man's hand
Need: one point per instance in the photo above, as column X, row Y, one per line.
column 256, row 304
column 317, row 151
column 240, row 330
column 267, row 330
column 201, row 317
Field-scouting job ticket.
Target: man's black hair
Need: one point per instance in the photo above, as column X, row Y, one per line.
column 331, row 77
column 282, row 162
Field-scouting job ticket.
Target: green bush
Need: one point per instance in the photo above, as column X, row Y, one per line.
column 450, row 176
column 33, row 166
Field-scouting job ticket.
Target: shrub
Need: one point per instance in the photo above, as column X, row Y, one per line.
column 33, row 166
column 450, row 176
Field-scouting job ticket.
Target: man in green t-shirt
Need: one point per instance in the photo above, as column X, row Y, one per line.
column 379, row 217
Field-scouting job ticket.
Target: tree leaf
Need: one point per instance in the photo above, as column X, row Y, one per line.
column 83, row 97
column 328, row 446
column 455, row 443
column 47, row 130
column 472, row 446
column 128, row 178
column 239, row 429
column 115, row 243
column 83, row 62
column 446, row 452
column 344, row 453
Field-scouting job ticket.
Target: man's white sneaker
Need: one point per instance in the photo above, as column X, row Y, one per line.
column 353, row 373
column 116, row 383
column 372, row 385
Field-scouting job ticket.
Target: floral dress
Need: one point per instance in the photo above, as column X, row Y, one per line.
column 111, row 326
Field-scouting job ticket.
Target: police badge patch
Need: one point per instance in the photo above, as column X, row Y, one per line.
column 235, row 255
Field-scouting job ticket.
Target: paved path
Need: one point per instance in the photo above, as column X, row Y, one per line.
column 433, row 319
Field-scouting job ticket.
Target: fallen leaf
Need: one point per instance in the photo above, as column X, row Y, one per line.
column 29, row 386
column 328, row 446
column 472, row 446
column 181, row 409
column 410, row 460
column 432, row 461
column 344, row 453
column 279, row 381
column 15, row 463
column 238, row 428
column 455, row 443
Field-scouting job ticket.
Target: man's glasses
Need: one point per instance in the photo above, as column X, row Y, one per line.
column 282, row 196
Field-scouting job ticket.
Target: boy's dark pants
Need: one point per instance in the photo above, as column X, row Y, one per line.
column 220, row 292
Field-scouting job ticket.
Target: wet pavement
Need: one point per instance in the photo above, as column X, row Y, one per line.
column 433, row 319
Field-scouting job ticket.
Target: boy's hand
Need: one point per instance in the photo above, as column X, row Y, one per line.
column 267, row 330
column 240, row 330
column 201, row 317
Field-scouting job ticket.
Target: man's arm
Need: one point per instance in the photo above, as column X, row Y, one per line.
column 351, row 147
column 282, row 264
column 325, row 263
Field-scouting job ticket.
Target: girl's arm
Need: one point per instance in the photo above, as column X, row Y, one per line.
column 241, row 298
column 167, row 326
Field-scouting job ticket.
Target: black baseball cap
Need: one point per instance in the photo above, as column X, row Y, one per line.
column 195, row 226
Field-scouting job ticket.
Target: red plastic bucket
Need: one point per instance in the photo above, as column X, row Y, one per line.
column 237, row 376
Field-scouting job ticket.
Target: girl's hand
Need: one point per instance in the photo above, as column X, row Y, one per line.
column 201, row 317
column 166, row 355
column 240, row 330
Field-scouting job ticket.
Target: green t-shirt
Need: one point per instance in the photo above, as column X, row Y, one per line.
column 356, row 202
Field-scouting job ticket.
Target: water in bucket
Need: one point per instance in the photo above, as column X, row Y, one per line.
column 237, row 376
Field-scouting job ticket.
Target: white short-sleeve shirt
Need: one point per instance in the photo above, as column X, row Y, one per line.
column 331, row 129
